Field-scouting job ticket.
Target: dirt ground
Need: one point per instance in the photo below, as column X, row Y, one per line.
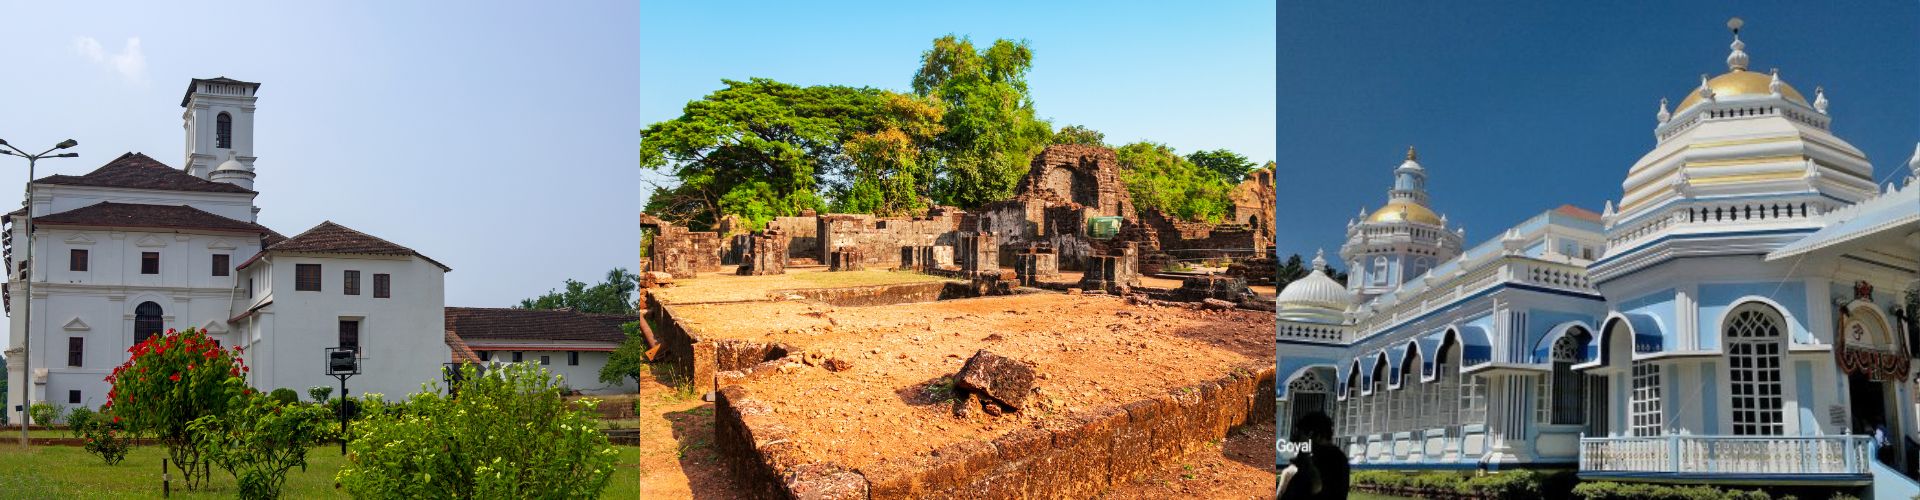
column 896, row 401
column 724, row 286
column 1264, row 291
column 1239, row 468
column 676, row 444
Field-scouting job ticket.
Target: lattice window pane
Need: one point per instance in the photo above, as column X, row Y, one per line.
column 1754, row 343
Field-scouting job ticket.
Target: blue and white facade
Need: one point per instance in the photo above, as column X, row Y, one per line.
column 1739, row 315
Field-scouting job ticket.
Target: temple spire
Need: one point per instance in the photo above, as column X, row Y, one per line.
column 1320, row 260
column 1737, row 61
column 1411, row 154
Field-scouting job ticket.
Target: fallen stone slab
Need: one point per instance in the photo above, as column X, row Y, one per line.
column 1216, row 305
column 1004, row 379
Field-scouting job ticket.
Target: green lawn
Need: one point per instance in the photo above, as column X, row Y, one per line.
column 68, row 472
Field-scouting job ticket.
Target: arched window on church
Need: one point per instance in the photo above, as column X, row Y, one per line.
column 1755, row 336
column 147, row 321
column 223, row 131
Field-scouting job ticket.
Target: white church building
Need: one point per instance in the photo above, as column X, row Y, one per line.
column 1740, row 314
column 136, row 247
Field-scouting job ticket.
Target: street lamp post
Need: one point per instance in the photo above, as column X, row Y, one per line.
column 26, row 344
column 342, row 363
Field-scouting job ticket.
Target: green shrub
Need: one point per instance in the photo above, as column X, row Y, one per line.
column 79, row 419
column 284, row 396
column 509, row 434
column 259, row 440
column 320, row 393
column 105, row 438
column 43, row 413
column 1604, row 490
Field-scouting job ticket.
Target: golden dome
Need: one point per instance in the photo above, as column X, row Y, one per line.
column 1401, row 210
column 1741, row 82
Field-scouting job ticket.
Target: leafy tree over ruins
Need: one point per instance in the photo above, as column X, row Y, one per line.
column 963, row 135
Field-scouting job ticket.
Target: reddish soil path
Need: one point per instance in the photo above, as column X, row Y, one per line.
column 677, row 459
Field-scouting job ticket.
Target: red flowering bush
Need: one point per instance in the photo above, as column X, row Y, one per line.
column 168, row 381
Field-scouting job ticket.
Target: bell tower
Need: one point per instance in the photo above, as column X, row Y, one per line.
column 219, row 125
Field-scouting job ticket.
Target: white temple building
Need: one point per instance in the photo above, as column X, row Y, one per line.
column 136, row 247
column 1740, row 314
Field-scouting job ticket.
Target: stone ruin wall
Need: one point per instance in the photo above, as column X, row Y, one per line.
column 680, row 252
column 803, row 237
column 1017, row 224
column 879, row 239
column 1254, row 206
column 1187, row 240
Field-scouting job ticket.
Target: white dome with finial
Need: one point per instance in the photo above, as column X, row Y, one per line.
column 233, row 171
column 1316, row 298
column 232, row 163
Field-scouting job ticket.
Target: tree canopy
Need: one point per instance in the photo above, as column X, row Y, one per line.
column 1075, row 134
column 963, row 135
column 991, row 131
column 758, row 149
column 1157, row 178
column 612, row 296
column 1230, row 165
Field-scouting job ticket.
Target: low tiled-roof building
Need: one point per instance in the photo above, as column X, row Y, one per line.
column 572, row 344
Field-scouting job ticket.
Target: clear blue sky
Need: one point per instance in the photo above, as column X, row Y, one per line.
column 498, row 139
column 1193, row 76
column 1519, row 107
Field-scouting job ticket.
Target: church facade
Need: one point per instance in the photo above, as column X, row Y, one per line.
column 1742, row 314
column 137, row 247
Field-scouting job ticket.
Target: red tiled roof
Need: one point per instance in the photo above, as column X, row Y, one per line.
column 329, row 237
column 461, row 353
column 137, row 171
column 520, row 325
column 112, row 214
column 1578, row 212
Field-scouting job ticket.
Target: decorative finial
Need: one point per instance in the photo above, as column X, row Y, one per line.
column 1820, row 99
column 1914, row 164
column 1664, row 114
column 1608, row 213
column 1320, row 260
column 1706, row 91
column 1737, row 61
column 1773, row 87
column 1411, row 154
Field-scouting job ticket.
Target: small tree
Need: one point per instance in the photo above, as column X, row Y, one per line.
column 284, row 396
column 320, row 393
column 105, row 438
column 78, row 419
column 508, row 434
column 169, row 381
column 43, row 413
column 259, row 440
column 625, row 361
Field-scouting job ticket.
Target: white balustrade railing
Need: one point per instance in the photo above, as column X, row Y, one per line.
column 1727, row 454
